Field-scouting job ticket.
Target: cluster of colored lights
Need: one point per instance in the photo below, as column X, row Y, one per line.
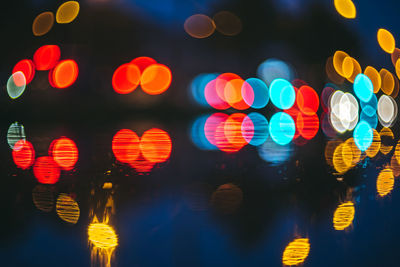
column 230, row 133
column 62, row 73
column 47, row 169
column 66, row 13
column 343, row 111
column 202, row 26
column 142, row 153
column 345, row 155
column 153, row 78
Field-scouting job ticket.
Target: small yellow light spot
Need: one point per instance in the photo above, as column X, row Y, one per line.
column 343, row 216
column 385, row 182
column 107, row 185
column 346, row 8
column 375, row 78
column 67, row 12
column 67, row 209
column 102, row 235
column 386, row 41
column 296, row 252
column 43, row 23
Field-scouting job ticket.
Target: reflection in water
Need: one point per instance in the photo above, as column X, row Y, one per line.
column 67, row 208
column 375, row 147
column 15, row 132
column 101, row 235
column 343, row 216
column 387, row 140
column 273, row 153
column 296, row 252
column 46, row 170
column 346, row 155
column 227, row 198
column 43, row 198
column 64, row 152
column 23, row 154
column 143, row 153
column 385, row 182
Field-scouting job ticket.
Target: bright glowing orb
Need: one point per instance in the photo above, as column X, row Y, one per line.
column 64, row 74
column 282, row 128
column 363, row 87
column 296, row 252
column 386, row 41
column 346, row 8
column 67, row 12
column 282, row 93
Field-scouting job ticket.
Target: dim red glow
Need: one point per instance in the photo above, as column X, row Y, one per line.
column 125, row 146
column 46, row 57
column 155, row 145
column 64, row 74
column 64, row 152
column 307, row 126
column 142, row 165
column 126, row 78
column 156, row 79
column 307, row 100
column 143, row 62
column 46, row 170
column 27, row 67
column 23, row 154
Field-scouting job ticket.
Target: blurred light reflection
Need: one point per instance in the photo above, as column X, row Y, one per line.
column 296, row 252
